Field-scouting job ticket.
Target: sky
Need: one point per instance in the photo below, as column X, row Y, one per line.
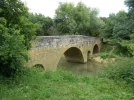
column 48, row 7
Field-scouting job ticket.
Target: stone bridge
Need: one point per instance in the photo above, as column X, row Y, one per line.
column 47, row 50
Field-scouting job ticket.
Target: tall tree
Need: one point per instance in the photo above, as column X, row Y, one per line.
column 117, row 26
column 16, row 14
column 79, row 19
column 43, row 24
column 64, row 18
column 16, row 31
column 130, row 4
column 130, row 44
column 13, row 52
column 96, row 23
column 118, row 29
column 12, row 10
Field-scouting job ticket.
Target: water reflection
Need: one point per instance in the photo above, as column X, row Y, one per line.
column 87, row 68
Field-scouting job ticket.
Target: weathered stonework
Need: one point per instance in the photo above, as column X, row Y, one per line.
column 47, row 50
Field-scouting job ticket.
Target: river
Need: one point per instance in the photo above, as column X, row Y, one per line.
column 77, row 68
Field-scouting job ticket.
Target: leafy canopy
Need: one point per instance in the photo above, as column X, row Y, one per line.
column 16, row 31
column 77, row 19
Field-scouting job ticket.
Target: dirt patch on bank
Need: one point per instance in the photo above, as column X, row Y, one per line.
column 104, row 61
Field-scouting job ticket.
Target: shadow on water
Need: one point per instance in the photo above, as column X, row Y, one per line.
column 77, row 68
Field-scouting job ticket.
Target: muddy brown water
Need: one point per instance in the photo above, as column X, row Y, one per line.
column 77, row 68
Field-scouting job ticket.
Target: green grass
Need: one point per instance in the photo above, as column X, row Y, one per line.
column 37, row 84
column 123, row 69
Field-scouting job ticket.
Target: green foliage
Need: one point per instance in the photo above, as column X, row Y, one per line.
column 106, row 48
column 77, row 19
column 15, row 12
column 107, row 51
column 117, row 26
column 82, row 18
column 123, row 69
column 16, row 31
column 64, row 19
column 119, row 30
column 96, row 24
column 11, row 10
column 129, row 3
column 43, row 24
column 27, row 29
column 106, row 55
column 121, row 27
column 12, row 51
column 129, row 46
column 131, row 49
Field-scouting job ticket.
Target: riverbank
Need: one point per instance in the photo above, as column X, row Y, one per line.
column 108, row 83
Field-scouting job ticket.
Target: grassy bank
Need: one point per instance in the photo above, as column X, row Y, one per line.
column 108, row 83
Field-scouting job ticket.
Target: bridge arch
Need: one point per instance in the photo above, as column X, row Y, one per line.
column 74, row 54
column 95, row 49
column 39, row 66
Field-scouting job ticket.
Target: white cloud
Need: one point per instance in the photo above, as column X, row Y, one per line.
column 47, row 7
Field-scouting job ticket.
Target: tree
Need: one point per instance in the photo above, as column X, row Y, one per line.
column 117, row 26
column 77, row 19
column 64, row 18
column 27, row 29
column 16, row 31
column 121, row 28
column 118, row 29
column 82, row 18
column 109, row 24
column 15, row 12
column 43, row 24
column 130, row 43
column 12, row 10
column 130, row 4
column 13, row 52
column 96, row 24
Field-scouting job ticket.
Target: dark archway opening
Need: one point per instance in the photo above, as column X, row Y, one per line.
column 95, row 49
column 74, row 54
column 39, row 66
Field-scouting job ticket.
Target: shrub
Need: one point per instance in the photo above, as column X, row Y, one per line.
column 128, row 47
column 120, row 70
column 12, row 51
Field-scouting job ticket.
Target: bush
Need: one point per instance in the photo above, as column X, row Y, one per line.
column 12, row 51
column 120, row 70
column 128, row 47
